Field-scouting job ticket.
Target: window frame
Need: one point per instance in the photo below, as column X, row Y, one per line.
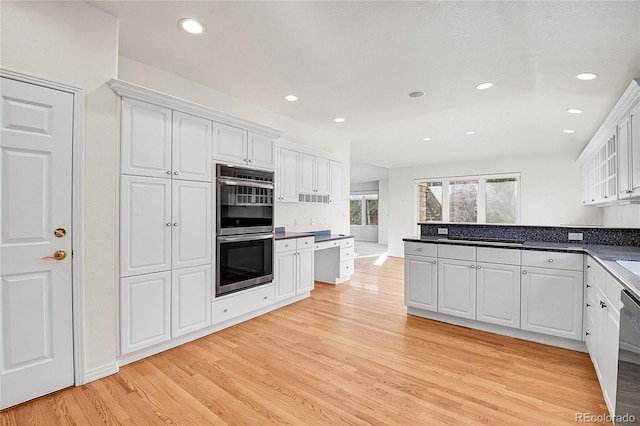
column 482, row 196
column 363, row 206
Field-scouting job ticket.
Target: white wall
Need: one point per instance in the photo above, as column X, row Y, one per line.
column 622, row 216
column 550, row 194
column 293, row 216
column 77, row 44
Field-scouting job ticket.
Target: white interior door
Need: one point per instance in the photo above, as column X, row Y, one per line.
column 36, row 336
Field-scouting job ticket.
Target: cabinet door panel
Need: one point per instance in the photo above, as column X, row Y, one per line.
column 322, row 176
column 191, row 223
column 634, row 140
column 552, row 302
column 305, row 271
column 190, row 299
column 145, row 238
column 146, row 139
column 421, row 282
column 191, row 158
column 306, row 180
column 337, row 183
column 457, row 288
column 145, row 311
column 229, row 143
column 261, row 151
column 499, row 294
column 285, row 275
column 288, row 176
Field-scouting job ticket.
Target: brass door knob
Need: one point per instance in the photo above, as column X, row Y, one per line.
column 57, row 255
column 60, row 232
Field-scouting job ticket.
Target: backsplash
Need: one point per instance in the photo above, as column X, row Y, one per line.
column 555, row 234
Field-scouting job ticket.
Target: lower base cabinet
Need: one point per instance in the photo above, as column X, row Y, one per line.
column 457, row 287
column 421, row 282
column 231, row 306
column 155, row 308
column 293, row 269
column 498, row 294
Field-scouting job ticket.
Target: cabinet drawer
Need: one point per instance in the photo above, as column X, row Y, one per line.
column 498, row 255
column 327, row 244
column 346, row 254
column 285, row 245
column 552, row 260
column 346, row 242
column 346, row 269
column 304, row 243
column 420, row 249
column 457, row 252
column 235, row 305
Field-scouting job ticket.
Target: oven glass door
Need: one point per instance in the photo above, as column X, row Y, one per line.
column 244, row 207
column 243, row 261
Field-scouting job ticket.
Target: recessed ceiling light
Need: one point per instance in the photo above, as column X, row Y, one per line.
column 416, row 94
column 291, row 98
column 569, row 131
column 426, row 139
column 587, row 76
column 471, row 132
column 575, row 111
column 339, row 120
column 484, row 86
column 191, row 26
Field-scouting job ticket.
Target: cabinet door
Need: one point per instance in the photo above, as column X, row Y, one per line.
column 145, row 225
column 191, row 147
column 457, row 288
column 552, row 302
column 322, row 176
column 191, row 223
column 261, row 151
column 145, row 311
column 229, row 144
column 190, row 299
column 305, row 271
column 610, row 356
column 634, row 141
column 285, row 275
column 287, row 176
column 336, row 195
column 306, row 179
column 498, row 294
column 624, row 158
column 421, row 282
column 146, row 139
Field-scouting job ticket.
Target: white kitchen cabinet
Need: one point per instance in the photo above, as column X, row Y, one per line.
column 158, row 142
column 629, row 161
column 334, row 260
column 313, row 181
column 457, row 287
column 145, row 225
column 336, row 173
column 287, row 176
column 191, row 147
column 164, row 224
column 145, row 311
column 190, row 299
column 421, row 282
column 294, row 266
column 145, row 139
column 191, row 224
column 239, row 146
column 498, row 294
column 551, row 301
column 602, row 327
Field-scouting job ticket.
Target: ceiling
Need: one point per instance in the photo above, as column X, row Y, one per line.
column 360, row 60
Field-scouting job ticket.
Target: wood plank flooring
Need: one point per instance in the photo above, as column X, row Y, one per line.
column 348, row 355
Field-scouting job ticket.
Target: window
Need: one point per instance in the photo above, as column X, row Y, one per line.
column 364, row 209
column 470, row 199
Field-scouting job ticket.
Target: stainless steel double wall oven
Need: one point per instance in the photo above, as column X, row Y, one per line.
column 244, row 227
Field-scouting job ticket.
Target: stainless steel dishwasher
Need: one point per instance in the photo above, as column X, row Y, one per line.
column 628, row 392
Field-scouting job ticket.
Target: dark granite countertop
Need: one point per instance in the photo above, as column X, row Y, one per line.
column 289, row 235
column 605, row 255
column 319, row 236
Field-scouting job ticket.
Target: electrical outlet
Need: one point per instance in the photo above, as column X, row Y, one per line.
column 443, row 231
column 312, row 221
column 575, row 236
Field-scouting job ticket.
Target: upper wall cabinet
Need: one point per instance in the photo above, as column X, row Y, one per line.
column 159, row 142
column 336, row 174
column 242, row 147
column 314, row 180
column 287, row 176
column 610, row 163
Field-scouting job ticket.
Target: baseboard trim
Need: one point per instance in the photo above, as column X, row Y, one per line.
column 101, row 372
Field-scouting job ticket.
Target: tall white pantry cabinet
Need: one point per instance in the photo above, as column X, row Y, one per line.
column 165, row 224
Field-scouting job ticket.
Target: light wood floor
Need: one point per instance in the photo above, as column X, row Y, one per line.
column 347, row 355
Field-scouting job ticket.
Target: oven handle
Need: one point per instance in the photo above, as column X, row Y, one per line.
column 245, row 183
column 249, row 237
